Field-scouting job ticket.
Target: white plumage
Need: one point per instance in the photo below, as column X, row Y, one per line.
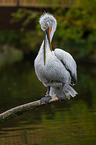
column 59, row 71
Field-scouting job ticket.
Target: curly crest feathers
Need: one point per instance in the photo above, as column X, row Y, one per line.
column 48, row 20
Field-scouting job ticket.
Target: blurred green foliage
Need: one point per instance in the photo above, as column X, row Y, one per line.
column 9, row 55
column 76, row 31
column 7, row 36
column 78, row 26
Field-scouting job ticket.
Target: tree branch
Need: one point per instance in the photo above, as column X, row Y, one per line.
column 11, row 113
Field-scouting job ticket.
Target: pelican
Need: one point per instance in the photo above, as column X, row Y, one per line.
column 56, row 69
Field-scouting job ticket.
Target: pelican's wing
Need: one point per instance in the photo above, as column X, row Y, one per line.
column 68, row 62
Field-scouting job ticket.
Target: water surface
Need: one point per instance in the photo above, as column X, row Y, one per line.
column 63, row 123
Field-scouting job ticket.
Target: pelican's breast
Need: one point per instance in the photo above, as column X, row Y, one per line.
column 39, row 68
column 53, row 70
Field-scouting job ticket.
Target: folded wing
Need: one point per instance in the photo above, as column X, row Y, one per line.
column 69, row 63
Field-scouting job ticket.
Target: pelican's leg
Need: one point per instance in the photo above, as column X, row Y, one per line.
column 48, row 91
column 59, row 91
column 47, row 98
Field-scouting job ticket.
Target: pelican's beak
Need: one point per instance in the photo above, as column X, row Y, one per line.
column 44, row 46
column 47, row 32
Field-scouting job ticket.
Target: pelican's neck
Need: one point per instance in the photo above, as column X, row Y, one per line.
column 41, row 51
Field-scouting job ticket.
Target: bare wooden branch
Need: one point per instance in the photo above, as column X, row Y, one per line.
column 11, row 113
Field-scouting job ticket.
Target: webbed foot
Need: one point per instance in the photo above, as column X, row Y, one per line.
column 45, row 100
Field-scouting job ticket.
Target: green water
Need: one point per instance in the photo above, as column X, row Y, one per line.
column 63, row 123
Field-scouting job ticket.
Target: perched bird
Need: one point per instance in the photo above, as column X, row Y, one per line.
column 55, row 69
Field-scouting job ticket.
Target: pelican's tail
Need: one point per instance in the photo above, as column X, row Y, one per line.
column 70, row 90
column 61, row 92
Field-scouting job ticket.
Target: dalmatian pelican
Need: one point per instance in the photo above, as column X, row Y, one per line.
column 56, row 69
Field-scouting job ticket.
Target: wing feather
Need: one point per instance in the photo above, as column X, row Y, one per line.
column 68, row 62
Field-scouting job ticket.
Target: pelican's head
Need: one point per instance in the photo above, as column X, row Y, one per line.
column 48, row 25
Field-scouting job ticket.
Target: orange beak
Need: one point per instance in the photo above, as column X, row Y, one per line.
column 50, row 38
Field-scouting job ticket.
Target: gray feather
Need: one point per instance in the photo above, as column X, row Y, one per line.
column 68, row 62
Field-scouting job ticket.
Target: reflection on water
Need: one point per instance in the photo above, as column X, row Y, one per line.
column 62, row 123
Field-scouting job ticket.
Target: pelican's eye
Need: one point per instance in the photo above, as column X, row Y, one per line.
column 44, row 27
